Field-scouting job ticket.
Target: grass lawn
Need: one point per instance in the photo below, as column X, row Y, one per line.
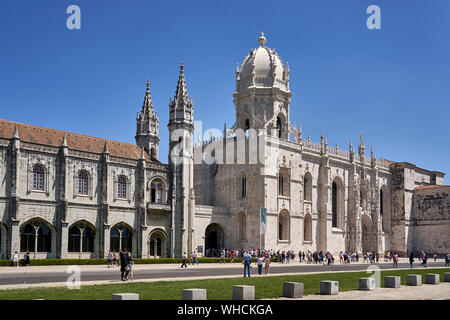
column 217, row 289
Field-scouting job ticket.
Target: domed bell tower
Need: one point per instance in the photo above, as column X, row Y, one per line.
column 262, row 95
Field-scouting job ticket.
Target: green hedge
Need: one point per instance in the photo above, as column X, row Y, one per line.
column 52, row 262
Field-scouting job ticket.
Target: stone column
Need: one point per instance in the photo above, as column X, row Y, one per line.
column 104, row 232
column 62, row 232
column 324, row 204
column 14, row 199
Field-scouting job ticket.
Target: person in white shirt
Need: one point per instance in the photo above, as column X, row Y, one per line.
column 16, row 259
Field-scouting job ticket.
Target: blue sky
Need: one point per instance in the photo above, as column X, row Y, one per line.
column 392, row 84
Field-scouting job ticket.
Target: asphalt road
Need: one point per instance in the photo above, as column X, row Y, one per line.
column 168, row 274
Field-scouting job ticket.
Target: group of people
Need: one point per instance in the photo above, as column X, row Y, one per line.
column 21, row 262
column 126, row 263
column 193, row 259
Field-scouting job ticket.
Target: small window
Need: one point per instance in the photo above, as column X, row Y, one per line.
column 244, row 187
column 82, row 183
column 122, row 188
column 153, row 193
column 279, row 128
column 159, row 194
column 38, row 178
column 280, row 185
column 247, row 125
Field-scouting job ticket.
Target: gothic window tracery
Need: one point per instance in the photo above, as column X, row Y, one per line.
column 82, row 183
column 38, row 177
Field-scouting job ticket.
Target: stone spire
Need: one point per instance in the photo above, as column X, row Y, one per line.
column 181, row 94
column 181, row 108
column 351, row 151
column 361, row 148
column 147, row 106
column 147, row 126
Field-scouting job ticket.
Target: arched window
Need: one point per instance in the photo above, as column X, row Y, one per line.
column 28, row 238
column 334, row 204
column 38, row 178
column 247, row 125
column 156, row 244
column 74, row 239
column 121, row 238
column 242, row 226
column 280, row 184
column 381, row 202
column 307, row 187
column 152, row 153
column 307, row 228
column 279, row 127
column 86, row 242
column 283, row 225
column 122, row 187
column 44, row 239
column 243, row 187
column 152, row 193
column 82, row 183
column 159, row 193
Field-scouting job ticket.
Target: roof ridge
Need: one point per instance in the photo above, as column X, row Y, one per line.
column 62, row 131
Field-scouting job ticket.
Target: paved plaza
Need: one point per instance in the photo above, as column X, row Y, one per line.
column 56, row 276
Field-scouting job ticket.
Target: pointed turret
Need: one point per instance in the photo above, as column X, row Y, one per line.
column 147, row 126
column 351, row 151
column 361, row 148
column 181, row 107
column 181, row 95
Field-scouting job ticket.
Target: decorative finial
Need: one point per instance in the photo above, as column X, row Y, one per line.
column 148, row 85
column 181, row 67
column 262, row 39
column 64, row 142
column 142, row 154
column 16, row 132
column 105, row 148
column 361, row 137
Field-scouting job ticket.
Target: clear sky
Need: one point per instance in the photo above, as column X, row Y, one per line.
column 392, row 84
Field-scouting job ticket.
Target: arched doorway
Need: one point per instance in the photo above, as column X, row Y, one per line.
column 366, row 236
column 214, row 239
column 157, row 244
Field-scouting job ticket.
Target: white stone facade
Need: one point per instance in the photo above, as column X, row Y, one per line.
column 112, row 194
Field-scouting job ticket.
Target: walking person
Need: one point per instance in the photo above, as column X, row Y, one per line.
column 184, row 257
column 411, row 260
column 129, row 267
column 266, row 263
column 247, row 260
column 195, row 258
column 110, row 257
column 27, row 258
column 260, row 264
column 123, row 256
column 15, row 259
column 447, row 260
column 395, row 259
column 114, row 259
column 425, row 258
